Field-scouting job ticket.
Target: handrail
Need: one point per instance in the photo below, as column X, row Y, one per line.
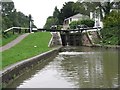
column 9, row 29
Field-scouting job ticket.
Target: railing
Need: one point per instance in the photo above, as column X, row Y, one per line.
column 70, row 30
column 14, row 30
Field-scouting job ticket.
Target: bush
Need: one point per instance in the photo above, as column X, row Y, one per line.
column 88, row 22
column 110, row 35
column 112, row 20
column 73, row 24
column 111, row 30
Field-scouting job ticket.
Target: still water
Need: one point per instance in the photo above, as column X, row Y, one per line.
column 74, row 67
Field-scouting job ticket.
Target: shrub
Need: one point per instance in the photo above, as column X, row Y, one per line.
column 88, row 22
column 111, row 30
column 110, row 35
column 112, row 20
column 73, row 24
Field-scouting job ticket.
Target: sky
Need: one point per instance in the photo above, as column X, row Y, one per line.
column 39, row 9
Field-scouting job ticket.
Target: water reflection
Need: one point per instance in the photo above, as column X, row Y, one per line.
column 76, row 68
column 86, row 70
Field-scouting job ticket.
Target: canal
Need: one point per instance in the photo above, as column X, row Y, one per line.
column 74, row 67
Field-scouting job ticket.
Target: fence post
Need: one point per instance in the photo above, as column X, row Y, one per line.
column 13, row 31
column 19, row 30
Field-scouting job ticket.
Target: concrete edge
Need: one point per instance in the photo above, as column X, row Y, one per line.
column 27, row 60
column 13, row 71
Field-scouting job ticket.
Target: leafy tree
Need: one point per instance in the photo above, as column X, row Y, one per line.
column 7, row 8
column 105, row 6
column 12, row 18
column 67, row 10
column 111, row 30
column 56, row 12
column 56, row 15
column 112, row 20
column 50, row 21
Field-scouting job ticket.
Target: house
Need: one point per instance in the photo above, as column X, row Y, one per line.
column 76, row 17
column 96, row 17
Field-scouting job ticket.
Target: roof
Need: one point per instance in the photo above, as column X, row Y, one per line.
column 77, row 16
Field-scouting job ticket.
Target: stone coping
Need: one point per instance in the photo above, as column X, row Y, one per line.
column 11, row 67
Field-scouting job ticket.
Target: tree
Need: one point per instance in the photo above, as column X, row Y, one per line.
column 56, row 15
column 56, row 12
column 12, row 18
column 105, row 6
column 70, row 8
column 7, row 8
column 111, row 30
column 50, row 21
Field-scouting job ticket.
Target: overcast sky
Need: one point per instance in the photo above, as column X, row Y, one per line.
column 39, row 9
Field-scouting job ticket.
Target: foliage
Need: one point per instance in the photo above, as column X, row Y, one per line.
column 56, row 16
column 50, row 21
column 88, row 22
column 111, row 30
column 111, row 20
column 103, row 6
column 12, row 18
column 27, row 48
column 110, row 35
column 74, row 24
column 70, row 9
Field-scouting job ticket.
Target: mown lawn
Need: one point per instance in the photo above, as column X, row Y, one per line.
column 32, row 45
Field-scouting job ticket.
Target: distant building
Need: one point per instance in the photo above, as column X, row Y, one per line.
column 96, row 17
column 76, row 17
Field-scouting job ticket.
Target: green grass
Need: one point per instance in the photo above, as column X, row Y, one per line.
column 32, row 45
column 4, row 41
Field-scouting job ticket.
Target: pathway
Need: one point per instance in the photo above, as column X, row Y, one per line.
column 13, row 43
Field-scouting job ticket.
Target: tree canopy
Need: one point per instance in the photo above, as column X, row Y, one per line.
column 12, row 18
column 69, row 9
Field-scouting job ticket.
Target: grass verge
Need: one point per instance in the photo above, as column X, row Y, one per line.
column 32, row 45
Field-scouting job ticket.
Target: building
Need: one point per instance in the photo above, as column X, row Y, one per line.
column 76, row 17
column 96, row 17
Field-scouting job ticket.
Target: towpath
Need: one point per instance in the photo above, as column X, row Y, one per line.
column 13, row 43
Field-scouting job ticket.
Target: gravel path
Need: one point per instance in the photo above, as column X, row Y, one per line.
column 13, row 43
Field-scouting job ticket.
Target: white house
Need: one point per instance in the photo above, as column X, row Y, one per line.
column 76, row 17
column 96, row 18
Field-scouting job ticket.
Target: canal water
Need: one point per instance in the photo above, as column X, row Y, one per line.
column 74, row 67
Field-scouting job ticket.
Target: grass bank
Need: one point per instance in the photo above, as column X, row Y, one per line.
column 6, row 40
column 32, row 45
